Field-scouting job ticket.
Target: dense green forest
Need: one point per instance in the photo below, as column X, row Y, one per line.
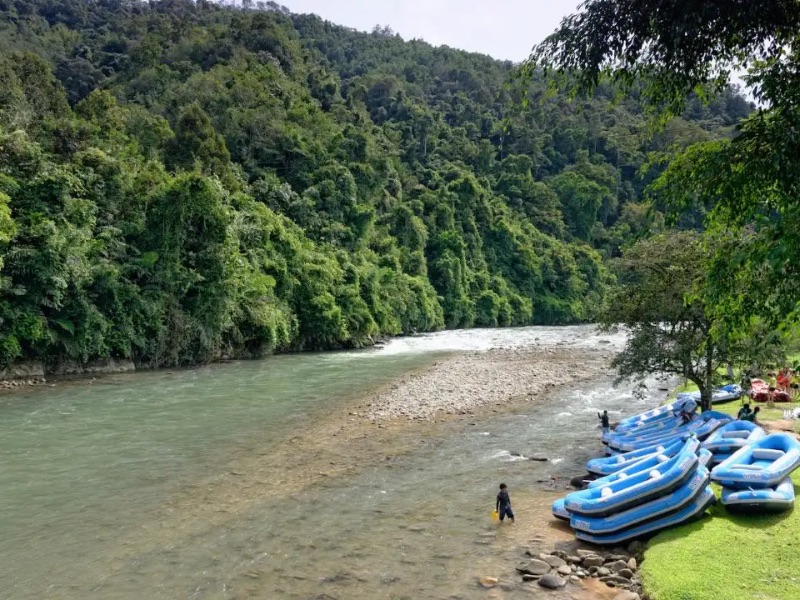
column 182, row 181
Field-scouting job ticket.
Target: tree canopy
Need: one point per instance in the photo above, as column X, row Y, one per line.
column 182, row 181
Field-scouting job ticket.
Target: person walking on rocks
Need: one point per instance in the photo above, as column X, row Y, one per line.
column 503, row 504
column 603, row 421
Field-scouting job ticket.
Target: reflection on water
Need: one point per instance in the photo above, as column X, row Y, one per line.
column 95, row 481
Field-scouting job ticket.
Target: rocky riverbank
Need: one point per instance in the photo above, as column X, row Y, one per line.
column 616, row 568
column 465, row 383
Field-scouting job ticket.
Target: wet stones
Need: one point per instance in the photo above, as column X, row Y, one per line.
column 616, row 568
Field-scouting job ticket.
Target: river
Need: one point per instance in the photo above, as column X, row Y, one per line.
column 199, row 483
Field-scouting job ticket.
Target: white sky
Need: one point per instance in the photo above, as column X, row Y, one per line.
column 504, row 29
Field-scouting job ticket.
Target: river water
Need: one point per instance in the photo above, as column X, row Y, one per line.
column 199, row 483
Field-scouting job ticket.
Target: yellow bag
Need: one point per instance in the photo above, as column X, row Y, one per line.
column 495, row 515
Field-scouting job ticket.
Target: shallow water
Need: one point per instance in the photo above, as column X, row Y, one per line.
column 130, row 487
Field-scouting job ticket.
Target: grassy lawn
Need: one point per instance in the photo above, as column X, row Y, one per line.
column 726, row 556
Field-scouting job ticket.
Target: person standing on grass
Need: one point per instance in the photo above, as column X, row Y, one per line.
column 503, row 504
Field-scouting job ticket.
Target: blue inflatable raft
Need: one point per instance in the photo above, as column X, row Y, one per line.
column 560, row 510
column 621, row 494
column 726, row 393
column 673, row 501
column 763, row 464
column 775, row 499
column 612, row 464
column 656, row 414
column 701, row 427
column 689, row 511
column 731, row 437
column 646, row 464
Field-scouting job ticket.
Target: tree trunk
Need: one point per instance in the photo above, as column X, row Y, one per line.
column 705, row 398
column 708, row 389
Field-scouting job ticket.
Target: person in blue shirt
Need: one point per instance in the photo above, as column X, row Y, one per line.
column 503, row 505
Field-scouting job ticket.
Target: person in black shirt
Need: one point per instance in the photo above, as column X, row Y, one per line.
column 503, row 505
column 603, row 420
column 743, row 412
column 753, row 416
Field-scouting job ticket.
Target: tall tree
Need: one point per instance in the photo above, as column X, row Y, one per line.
column 658, row 300
column 749, row 183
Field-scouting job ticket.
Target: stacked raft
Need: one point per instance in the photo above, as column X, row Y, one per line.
column 756, row 476
column 656, row 476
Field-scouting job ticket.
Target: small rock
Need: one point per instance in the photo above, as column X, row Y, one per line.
column 534, row 567
column 603, row 572
column 611, row 584
column 555, row 562
column 615, row 557
column 552, row 582
column 529, row 577
column 581, row 574
column 616, row 579
column 617, row 565
column 626, row 573
column 635, row 547
column 584, row 553
column 632, row 563
column 539, row 458
column 627, row 596
column 564, row 570
column 575, row 560
column 574, row 578
column 592, row 561
column 593, row 570
column 488, row 582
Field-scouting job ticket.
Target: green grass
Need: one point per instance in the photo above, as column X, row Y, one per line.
column 727, row 557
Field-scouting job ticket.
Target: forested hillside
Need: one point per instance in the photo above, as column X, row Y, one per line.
column 181, row 181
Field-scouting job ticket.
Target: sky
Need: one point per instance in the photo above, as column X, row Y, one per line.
column 503, row 29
